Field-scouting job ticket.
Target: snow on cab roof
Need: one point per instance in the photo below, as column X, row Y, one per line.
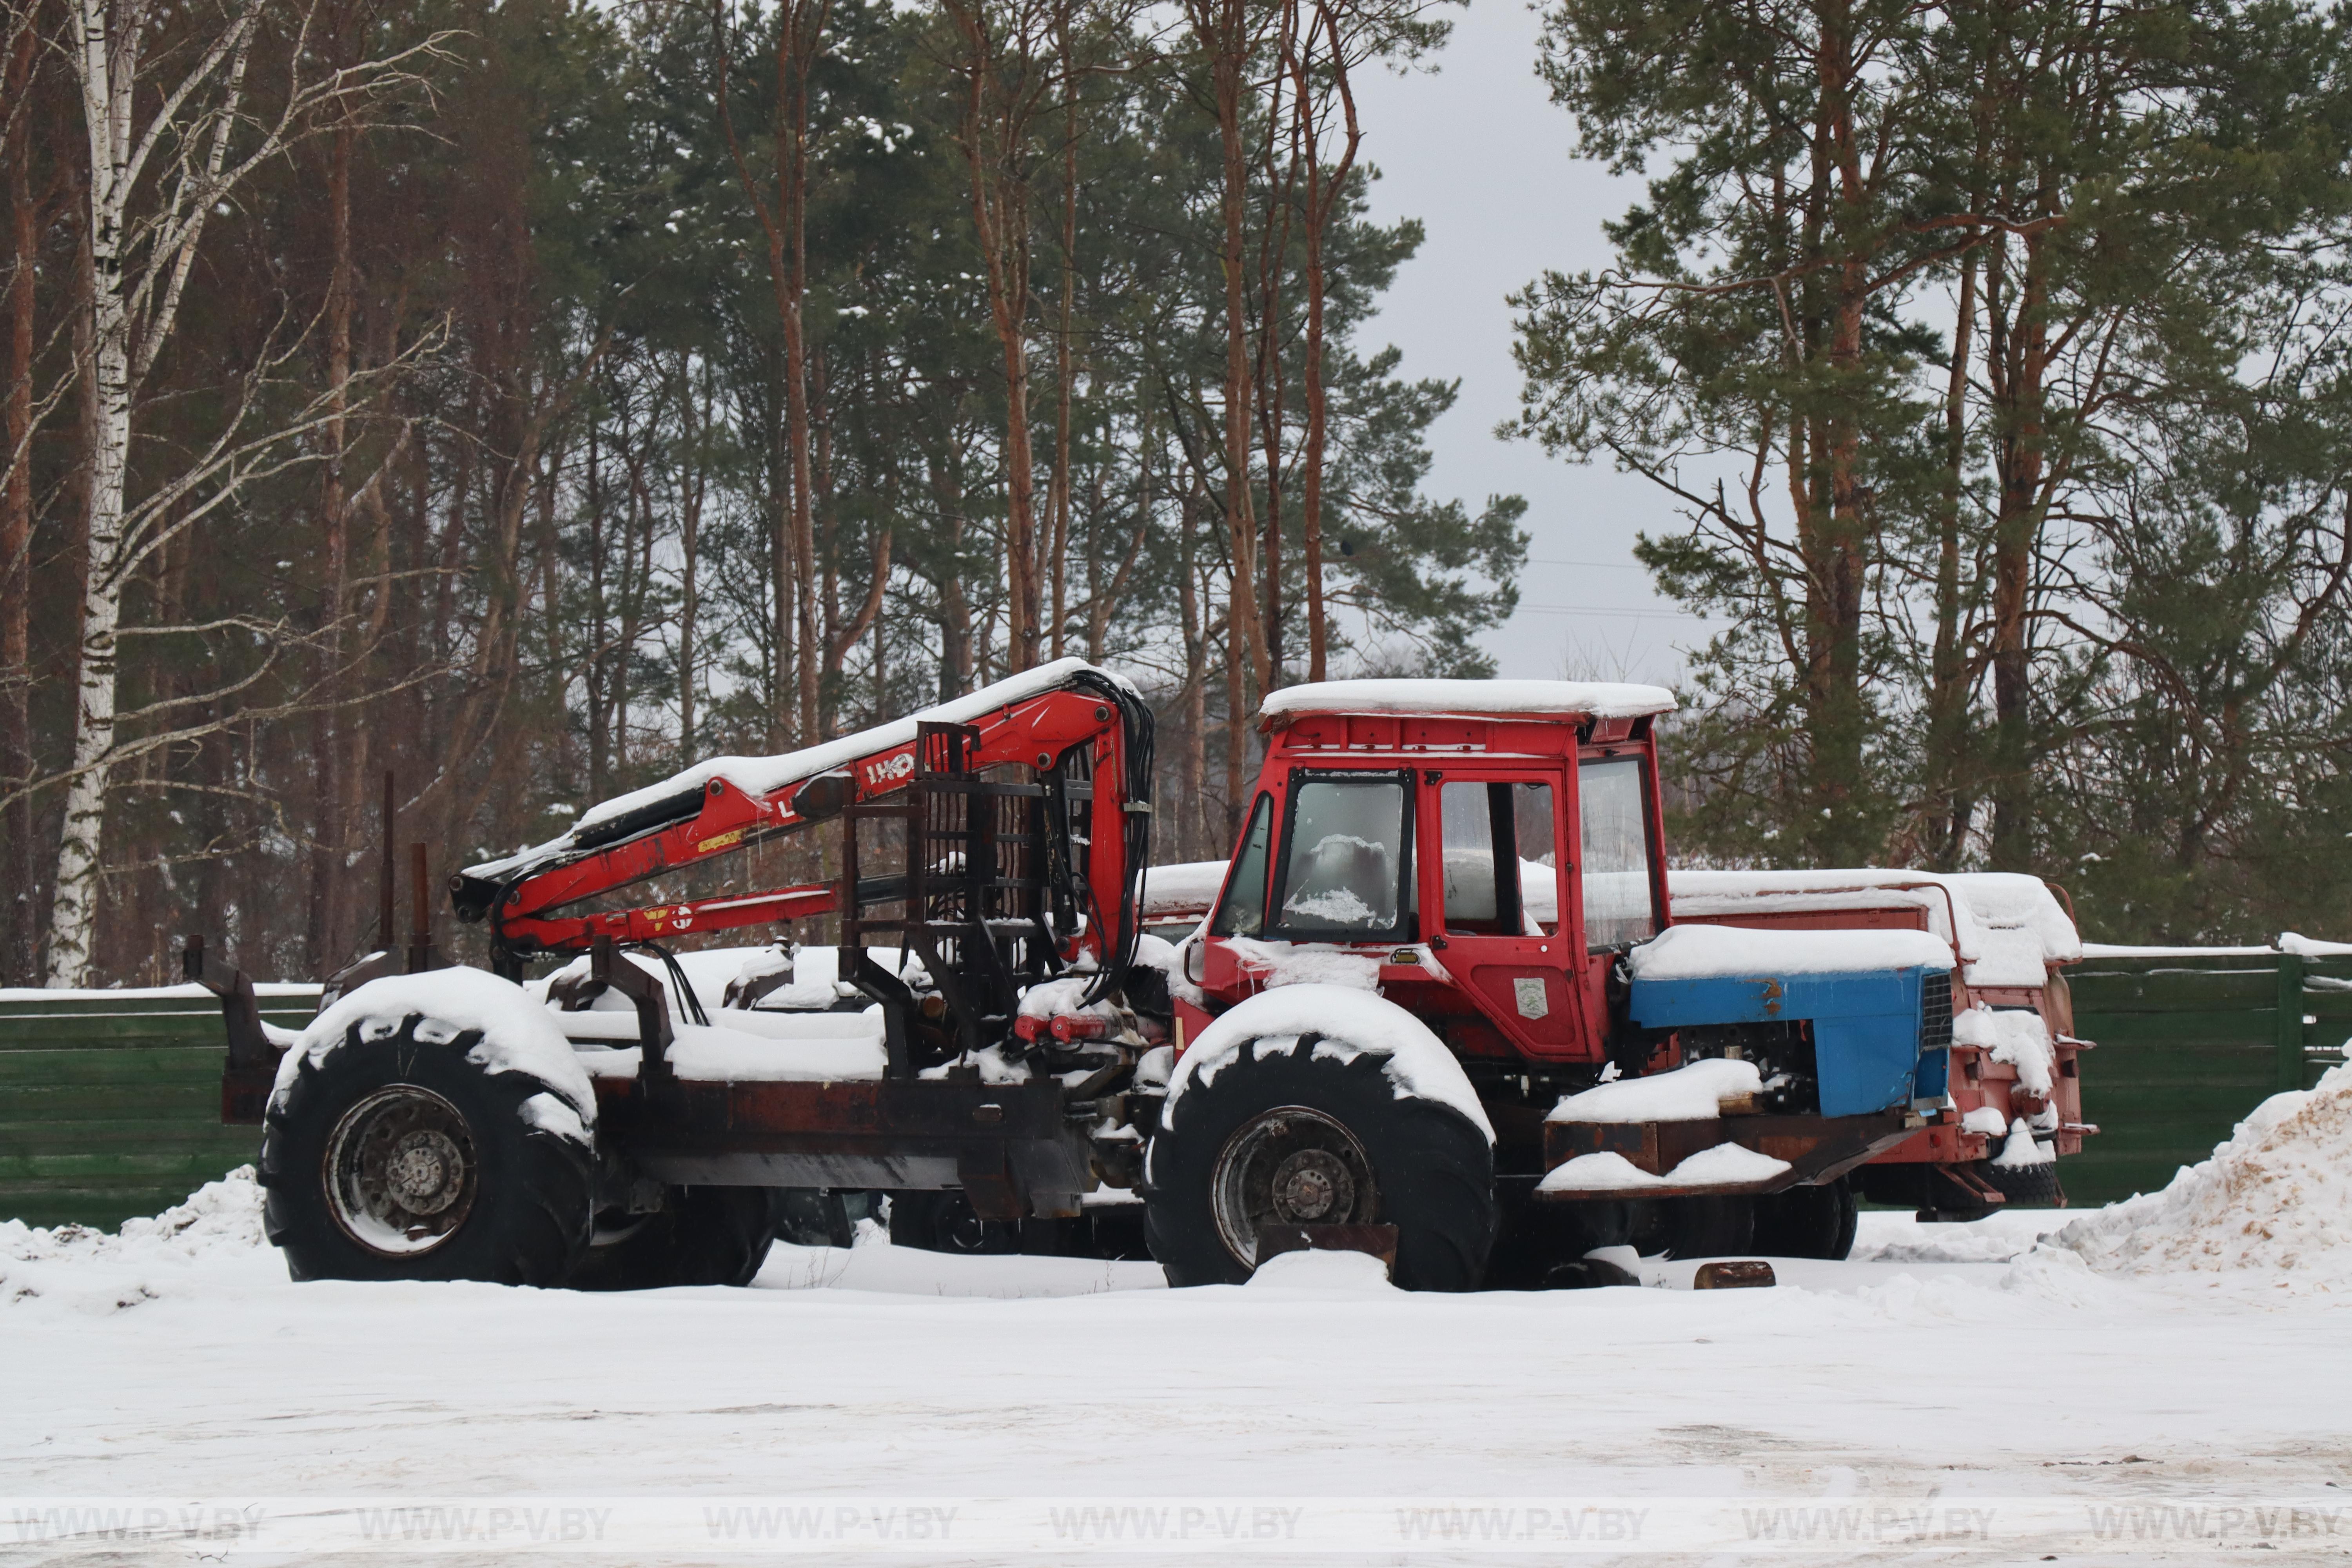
column 1593, row 698
column 765, row 775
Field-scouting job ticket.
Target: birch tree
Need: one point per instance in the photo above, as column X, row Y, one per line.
column 172, row 133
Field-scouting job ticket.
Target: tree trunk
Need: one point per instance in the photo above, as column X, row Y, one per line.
column 1229, row 44
column 323, row 939
column 20, row 940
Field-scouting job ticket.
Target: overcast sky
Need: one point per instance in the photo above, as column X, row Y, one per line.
column 1477, row 152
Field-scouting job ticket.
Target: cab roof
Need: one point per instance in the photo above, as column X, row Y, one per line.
column 1586, row 698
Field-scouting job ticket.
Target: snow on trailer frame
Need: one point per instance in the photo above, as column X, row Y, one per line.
column 1005, row 882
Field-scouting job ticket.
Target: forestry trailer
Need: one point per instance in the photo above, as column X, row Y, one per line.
column 1438, row 1012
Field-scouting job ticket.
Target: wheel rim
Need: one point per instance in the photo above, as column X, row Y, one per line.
column 1290, row 1165
column 401, row 1171
column 961, row 1230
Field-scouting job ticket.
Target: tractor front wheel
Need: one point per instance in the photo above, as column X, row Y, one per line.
column 1293, row 1137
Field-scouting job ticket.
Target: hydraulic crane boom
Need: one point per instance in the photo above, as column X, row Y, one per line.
column 1045, row 719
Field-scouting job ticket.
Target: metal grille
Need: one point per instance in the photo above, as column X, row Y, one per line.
column 1934, row 1011
column 988, row 879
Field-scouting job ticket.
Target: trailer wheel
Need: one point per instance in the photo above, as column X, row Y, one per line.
column 1707, row 1227
column 944, row 1221
column 1289, row 1137
column 701, row 1235
column 396, row 1157
column 2026, row 1186
column 1808, row 1222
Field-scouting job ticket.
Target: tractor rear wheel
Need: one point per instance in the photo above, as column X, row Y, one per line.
column 1291, row 1137
column 701, row 1235
column 1808, row 1222
column 399, row 1158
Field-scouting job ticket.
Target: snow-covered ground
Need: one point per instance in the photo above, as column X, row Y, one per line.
column 1953, row 1393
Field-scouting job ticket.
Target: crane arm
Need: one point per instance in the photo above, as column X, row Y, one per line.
column 528, row 897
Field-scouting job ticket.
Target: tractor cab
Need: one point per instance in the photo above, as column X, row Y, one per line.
column 1490, row 848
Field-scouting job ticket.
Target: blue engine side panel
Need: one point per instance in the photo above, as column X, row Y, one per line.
column 1865, row 1027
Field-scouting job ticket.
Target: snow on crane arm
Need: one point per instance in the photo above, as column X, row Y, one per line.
column 765, row 775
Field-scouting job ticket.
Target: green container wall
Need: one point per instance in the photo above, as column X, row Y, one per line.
column 2187, row 1045
column 110, row 1106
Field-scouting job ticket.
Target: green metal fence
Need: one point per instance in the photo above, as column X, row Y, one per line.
column 2189, row 1042
column 110, row 1101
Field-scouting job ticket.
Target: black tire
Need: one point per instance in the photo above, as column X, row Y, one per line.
column 1539, row 1245
column 513, row 1202
column 814, row 1217
column 701, row 1235
column 1431, row 1170
column 1808, row 1222
column 1707, row 1227
column 2026, row 1186
column 944, row 1221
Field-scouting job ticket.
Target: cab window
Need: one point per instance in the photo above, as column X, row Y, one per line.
column 1619, row 900
column 1243, row 911
column 1344, row 864
column 1501, row 866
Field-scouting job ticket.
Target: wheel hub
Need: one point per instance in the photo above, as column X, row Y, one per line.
column 400, row 1172
column 1290, row 1165
column 423, row 1172
column 1310, row 1185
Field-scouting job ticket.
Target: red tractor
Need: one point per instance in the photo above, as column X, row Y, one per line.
column 1439, row 1004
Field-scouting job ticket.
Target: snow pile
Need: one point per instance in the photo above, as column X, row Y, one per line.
column 1351, row 1023
column 1274, row 963
column 90, row 1270
column 2023, row 1149
column 1158, row 952
column 1710, row 953
column 1312, row 1269
column 1696, row 1091
column 2276, row 1199
column 1182, row 891
column 2014, row 1035
column 518, row 1032
column 1065, row 998
column 2022, row 929
column 2008, row 928
column 2307, row 947
column 1593, row 698
column 1725, row 1165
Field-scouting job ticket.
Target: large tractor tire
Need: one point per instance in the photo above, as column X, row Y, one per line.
column 397, row 1158
column 1289, row 1137
column 1808, row 1222
column 700, row 1236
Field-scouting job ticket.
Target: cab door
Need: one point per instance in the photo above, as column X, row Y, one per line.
column 1493, row 894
